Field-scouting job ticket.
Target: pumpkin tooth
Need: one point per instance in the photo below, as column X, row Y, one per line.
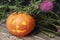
column 19, row 12
column 14, row 13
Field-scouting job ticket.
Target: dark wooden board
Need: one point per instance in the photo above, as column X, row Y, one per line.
column 5, row 35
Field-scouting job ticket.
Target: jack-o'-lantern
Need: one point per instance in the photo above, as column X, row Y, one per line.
column 20, row 23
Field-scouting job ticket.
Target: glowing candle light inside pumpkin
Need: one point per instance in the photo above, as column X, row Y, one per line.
column 24, row 23
column 17, row 26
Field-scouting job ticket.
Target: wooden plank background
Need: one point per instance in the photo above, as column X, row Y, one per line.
column 5, row 35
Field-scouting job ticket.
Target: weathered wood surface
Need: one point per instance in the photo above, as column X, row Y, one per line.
column 5, row 35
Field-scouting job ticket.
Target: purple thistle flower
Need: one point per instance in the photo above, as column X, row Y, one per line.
column 46, row 6
column 58, row 30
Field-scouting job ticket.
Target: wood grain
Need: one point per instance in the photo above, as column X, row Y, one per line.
column 5, row 35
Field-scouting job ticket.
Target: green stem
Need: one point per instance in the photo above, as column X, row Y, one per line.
column 11, row 7
column 55, row 14
column 2, row 6
column 38, row 12
column 57, row 26
column 56, row 33
column 49, row 30
column 57, row 5
column 48, row 34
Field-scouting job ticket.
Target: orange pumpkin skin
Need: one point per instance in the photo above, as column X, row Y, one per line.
column 20, row 24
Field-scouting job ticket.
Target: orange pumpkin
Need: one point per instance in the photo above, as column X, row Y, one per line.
column 20, row 23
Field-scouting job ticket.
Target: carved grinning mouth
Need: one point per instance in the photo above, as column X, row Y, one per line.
column 17, row 30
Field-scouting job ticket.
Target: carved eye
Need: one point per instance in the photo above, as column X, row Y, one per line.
column 24, row 23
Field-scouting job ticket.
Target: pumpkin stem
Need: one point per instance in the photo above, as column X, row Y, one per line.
column 17, row 12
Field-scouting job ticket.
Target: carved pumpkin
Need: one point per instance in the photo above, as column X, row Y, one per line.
column 20, row 23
